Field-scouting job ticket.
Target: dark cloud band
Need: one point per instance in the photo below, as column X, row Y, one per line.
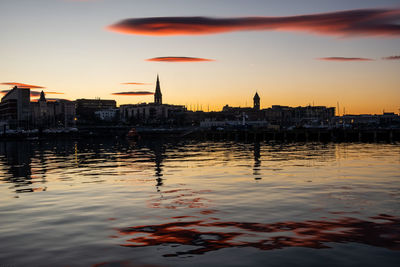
column 391, row 58
column 345, row 59
column 364, row 22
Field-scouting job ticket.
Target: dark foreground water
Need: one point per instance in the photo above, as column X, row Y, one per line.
column 115, row 203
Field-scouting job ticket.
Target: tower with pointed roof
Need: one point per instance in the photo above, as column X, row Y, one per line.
column 157, row 94
column 256, row 100
column 42, row 106
column 42, row 97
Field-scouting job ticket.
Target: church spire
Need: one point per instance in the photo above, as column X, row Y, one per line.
column 157, row 94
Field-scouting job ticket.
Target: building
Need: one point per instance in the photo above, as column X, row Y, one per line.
column 249, row 113
column 299, row 116
column 106, row 114
column 279, row 115
column 385, row 120
column 256, row 100
column 49, row 114
column 42, row 113
column 86, row 108
column 276, row 115
column 15, row 108
column 156, row 112
column 65, row 112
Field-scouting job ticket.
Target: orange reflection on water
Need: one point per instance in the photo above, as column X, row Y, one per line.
column 381, row 231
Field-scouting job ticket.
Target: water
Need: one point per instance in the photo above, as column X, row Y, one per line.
column 119, row 203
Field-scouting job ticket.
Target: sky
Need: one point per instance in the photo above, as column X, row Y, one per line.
column 207, row 53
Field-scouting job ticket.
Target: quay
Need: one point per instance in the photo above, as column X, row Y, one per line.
column 198, row 133
column 304, row 135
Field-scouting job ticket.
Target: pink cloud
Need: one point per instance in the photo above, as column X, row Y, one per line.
column 22, row 85
column 359, row 22
column 135, row 93
column 345, row 59
column 179, row 59
column 135, row 83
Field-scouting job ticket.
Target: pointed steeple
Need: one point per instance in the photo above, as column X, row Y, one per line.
column 42, row 97
column 256, row 100
column 157, row 94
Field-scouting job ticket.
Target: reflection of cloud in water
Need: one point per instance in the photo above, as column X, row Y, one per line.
column 381, row 231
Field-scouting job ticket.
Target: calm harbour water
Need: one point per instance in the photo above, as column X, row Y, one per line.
column 120, row 203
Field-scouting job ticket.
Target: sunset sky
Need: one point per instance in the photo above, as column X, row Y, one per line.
column 208, row 53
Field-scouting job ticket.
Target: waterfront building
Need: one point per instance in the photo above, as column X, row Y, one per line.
column 385, row 120
column 279, row 115
column 65, row 112
column 299, row 116
column 54, row 113
column 86, row 108
column 106, row 114
column 276, row 115
column 249, row 113
column 42, row 113
column 155, row 112
column 15, row 108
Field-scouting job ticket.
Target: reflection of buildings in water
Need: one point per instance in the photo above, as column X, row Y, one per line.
column 315, row 152
column 158, row 148
column 17, row 163
column 158, row 161
column 25, row 164
column 257, row 161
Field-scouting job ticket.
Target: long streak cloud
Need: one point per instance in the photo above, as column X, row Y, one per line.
column 22, row 85
column 359, row 22
column 33, row 93
column 135, row 83
column 179, row 59
column 391, row 58
column 137, row 93
column 345, row 59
